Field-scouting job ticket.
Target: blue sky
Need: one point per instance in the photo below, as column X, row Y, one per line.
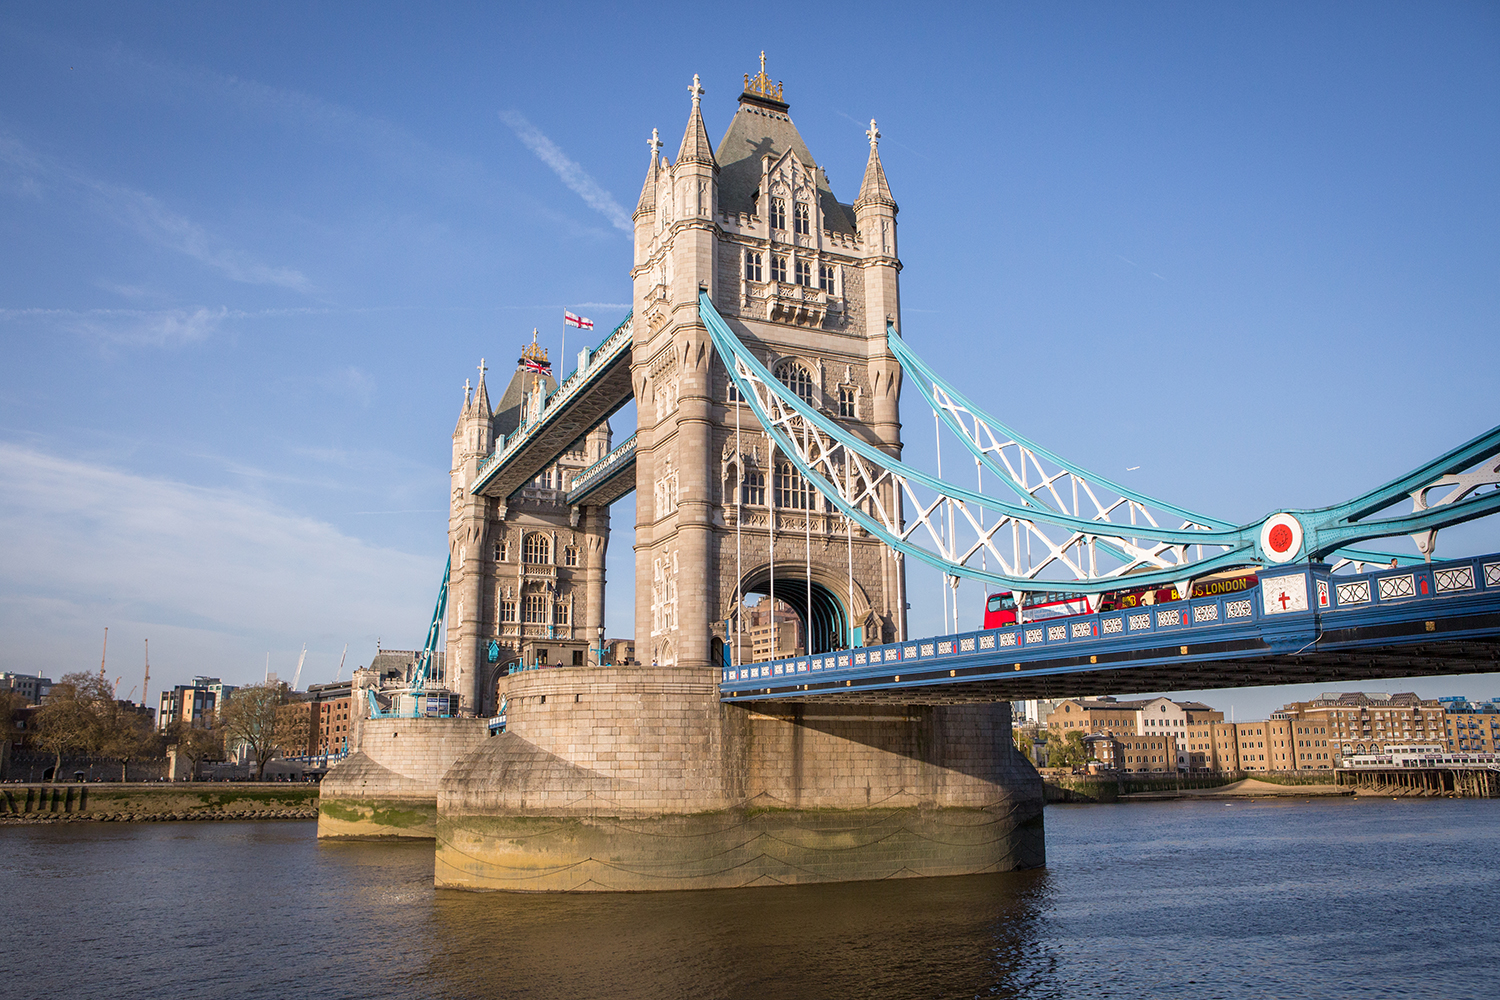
column 249, row 254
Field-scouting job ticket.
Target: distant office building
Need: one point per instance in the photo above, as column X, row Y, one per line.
column 772, row 635
column 1471, row 726
column 28, row 686
column 196, row 703
column 328, row 708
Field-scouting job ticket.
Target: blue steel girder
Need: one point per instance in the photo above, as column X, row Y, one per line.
column 590, row 396
column 872, row 488
column 1300, row 624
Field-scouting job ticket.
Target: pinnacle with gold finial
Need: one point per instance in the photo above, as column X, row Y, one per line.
column 761, row 84
column 534, row 351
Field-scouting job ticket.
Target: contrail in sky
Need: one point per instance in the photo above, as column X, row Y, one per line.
column 571, row 174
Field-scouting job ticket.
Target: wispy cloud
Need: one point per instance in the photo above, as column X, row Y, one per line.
column 568, row 171
column 174, row 326
column 214, row 577
column 29, row 171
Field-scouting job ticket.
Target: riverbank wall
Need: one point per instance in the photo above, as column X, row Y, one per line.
column 126, row 802
column 613, row 779
column 388, row 787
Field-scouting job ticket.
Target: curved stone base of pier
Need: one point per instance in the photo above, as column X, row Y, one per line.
column 617, row 780
column 731, row 849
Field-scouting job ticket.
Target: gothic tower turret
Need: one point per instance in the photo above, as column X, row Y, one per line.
column 473, row 439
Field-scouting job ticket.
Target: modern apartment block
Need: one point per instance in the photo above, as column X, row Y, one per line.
column 28, row 686
column 194, row 703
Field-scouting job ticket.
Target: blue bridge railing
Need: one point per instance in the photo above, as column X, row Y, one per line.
column 1288, row 611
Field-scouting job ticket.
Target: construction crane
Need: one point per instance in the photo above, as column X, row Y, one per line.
column 300, row 660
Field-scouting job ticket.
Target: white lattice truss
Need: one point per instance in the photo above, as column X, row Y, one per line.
column 960, row 528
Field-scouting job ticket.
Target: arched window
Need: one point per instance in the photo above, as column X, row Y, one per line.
column 798, row 379
column 804, row 273
column 778, row 213
column 538, row 549
column 753, row 488
column 792, row 491
column 801, row 218
column 752, row 265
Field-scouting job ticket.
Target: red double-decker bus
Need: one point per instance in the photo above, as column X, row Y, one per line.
column 1000, row 609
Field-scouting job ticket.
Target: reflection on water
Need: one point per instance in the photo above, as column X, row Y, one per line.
column 1192, row 899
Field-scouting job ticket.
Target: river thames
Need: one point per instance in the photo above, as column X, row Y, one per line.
column 1366, row 897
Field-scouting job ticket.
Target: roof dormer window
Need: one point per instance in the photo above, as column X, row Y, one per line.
column 778, row 213
column 801, row 218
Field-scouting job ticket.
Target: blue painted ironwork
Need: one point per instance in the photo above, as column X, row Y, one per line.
column 1300, row 611
column 870, row 487
column 421, row 703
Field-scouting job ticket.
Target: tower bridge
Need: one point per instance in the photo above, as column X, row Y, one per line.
column 765, row 358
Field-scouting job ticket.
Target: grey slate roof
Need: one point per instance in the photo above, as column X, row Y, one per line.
column 508, row 412
column 757, row 129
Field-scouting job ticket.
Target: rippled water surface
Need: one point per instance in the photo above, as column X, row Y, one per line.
column 1174, row 899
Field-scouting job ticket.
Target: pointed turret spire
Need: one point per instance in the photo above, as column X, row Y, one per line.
column 481, row 396
column 874, row 189
column 647, row 202
column 695, row 145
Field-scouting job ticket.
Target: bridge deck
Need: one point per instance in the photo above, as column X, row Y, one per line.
column 608, row 479
column 1297, row 626
column 590, row 396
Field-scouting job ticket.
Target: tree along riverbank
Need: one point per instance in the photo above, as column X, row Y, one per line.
column 138, row 802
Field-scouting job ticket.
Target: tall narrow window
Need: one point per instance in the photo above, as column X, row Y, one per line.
column 536, row 609
column 752, row 265
column 778, row 267
column 825, row 278
column 570, row 556
column 846, row 401
column 508, row 611
column 798, row 379
column 778, row 213
column 560, row 613
column 802, row 218
column 733, row 392
column 804, row 273
column 537, row 549
column 792, row 491
column 753, row 488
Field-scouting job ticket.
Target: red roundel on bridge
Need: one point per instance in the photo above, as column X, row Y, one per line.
column 1281, row 538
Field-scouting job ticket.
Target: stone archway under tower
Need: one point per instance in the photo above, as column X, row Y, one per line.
column 829, row 618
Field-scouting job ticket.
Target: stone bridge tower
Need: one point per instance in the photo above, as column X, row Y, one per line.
column 527, row 578
column 810, row 283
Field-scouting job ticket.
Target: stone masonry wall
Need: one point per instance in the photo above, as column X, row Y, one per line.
column 640, row 779
column 389, row 786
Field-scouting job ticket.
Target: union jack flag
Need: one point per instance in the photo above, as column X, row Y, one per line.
column 540, row 367
column 583, row 323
